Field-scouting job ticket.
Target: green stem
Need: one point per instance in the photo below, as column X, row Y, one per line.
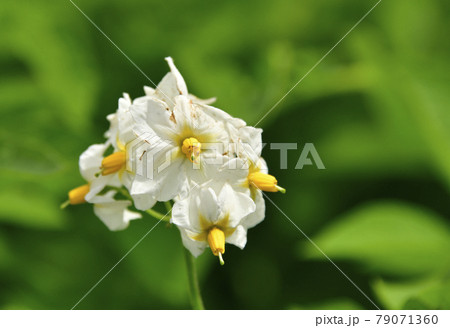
column 168, row 206
column 158, row 215
column 194, row 288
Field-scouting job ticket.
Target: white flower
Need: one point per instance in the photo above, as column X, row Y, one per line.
column 174, row 145
column 112, row 170
column 101, row 171
column 210, row 218
column 238, row 172
column 112, row 212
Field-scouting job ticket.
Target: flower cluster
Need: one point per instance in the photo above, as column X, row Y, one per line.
column 170, row 146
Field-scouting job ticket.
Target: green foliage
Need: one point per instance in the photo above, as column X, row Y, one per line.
column 376, row 108
column 387, row 238
column 429, row 294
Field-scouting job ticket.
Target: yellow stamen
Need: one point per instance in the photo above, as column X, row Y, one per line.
column 216, row 241
column 192, row 148
column 76, row 196
column 265, row 182
column 113, row 163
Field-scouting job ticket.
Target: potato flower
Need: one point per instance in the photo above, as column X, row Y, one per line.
column 212, row 218
column 170, row 146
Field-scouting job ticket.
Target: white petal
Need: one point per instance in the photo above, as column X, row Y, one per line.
column 172, row 181
column 180, row 213
column 167, row 90
column 163, row 184
column 252, row 137
column 236, row 204
column 200, row 203
column 138, row 110
column 233, row 171
column 91, row 161
column 262, row 165
column 181, row 85
column 149, row 91
column 127, row 98
column 150, row 153
column 160, row 118
column 201, row 101
column 131, row 215
column 195, row 247
column 124, row 178
column 97, row 184
column 258, row 215
column 114, row 213
column 184, row 113
column 106, row 198
column 125, row 101
column 143, row 202
column 220, row 115
column 171, row 85
column 238, row 238
column 111, row 117
column 207, row 205
column 126, row 120
column 113, row 126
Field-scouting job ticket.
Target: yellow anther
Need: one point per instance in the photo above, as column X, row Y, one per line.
column 265, row 182
column 76, row 196
column 216, row 241
column 113, row 163
column 192, row 148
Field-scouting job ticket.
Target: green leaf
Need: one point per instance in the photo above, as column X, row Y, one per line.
column 61, row 72
column 437, row 297
column 410, row 103
column 427, row 294
column 388, row 238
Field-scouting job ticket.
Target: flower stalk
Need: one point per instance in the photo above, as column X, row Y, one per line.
column 157, row 215
column 194, row 287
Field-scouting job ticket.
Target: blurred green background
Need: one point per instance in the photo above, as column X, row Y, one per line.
column 377, row 110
